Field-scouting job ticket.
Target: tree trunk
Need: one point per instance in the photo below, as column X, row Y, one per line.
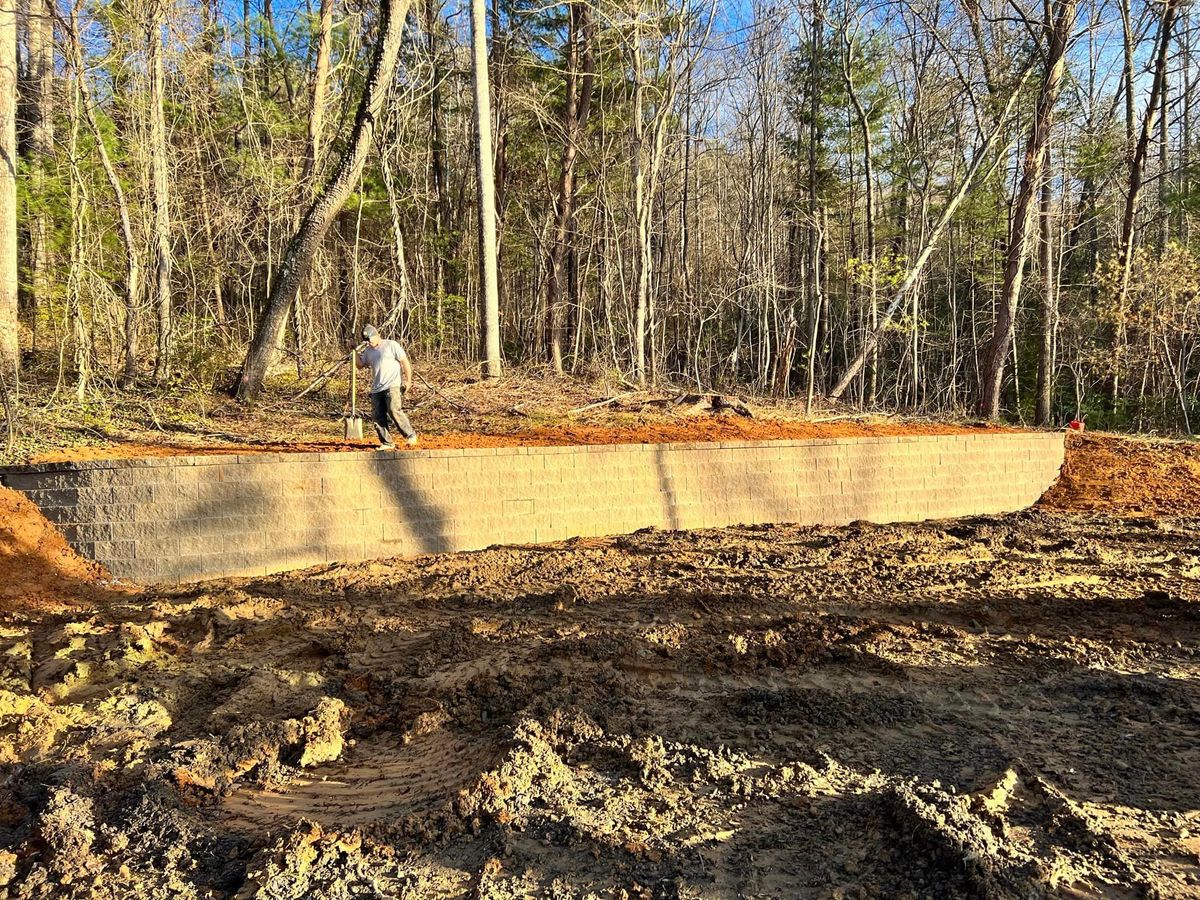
column 160, row 195
column 1185, row 133
column 82, row 327
column 815, row 235
column 1045, row 372
column 1164, row 146
column 133, row 258
column 869, row 175
column 1128, row 41
column 1137, row 172
column 247, row 40
column 437, row 157
column 9, row 356
column 321, row 212
column 641, row 209
column 320, row 90
column 1024, row 211
column 575, row 114
column 497, row 72
column 489, row 277
column 39, row 103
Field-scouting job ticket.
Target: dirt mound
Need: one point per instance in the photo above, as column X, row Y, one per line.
column 1132, row 476
column 37, row 567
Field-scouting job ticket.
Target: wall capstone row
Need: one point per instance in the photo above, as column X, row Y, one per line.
column 178, row 519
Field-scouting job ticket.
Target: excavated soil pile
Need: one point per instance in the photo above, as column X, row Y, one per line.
column 36, row 565
column 1130, row 476
column 993, row 707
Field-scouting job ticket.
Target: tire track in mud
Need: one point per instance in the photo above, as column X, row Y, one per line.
column 988, row 707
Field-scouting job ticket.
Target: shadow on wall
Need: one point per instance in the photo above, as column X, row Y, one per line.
column 254, row 528
column 406, row 507
column 689, row 481
column 666, row 488
column 225, row 528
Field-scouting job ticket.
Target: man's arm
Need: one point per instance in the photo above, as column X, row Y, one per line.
column 406, row 370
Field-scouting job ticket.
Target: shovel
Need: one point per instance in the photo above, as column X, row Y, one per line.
column 353, row 423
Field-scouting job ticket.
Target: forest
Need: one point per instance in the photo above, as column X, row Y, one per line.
column 976, row 207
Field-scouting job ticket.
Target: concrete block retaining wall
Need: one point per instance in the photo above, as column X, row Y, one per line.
column 176, row 519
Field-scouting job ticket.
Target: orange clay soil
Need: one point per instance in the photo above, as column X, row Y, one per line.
column 37, row 568
column 711, row 428
column 1127, row 475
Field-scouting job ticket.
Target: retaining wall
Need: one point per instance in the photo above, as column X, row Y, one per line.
column 178, row 519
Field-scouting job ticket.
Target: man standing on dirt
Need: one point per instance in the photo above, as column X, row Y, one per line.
column 391, row 374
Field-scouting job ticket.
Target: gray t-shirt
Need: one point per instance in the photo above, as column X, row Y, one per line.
column 385, row 361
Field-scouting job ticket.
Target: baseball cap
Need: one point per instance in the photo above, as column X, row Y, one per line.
column 369, row 332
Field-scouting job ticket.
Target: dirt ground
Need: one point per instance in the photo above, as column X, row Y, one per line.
column 450, row 407
column 994, row 707
column 644, row 430
column 1129, row 475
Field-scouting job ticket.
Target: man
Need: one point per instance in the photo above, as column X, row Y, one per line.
column 391, row 374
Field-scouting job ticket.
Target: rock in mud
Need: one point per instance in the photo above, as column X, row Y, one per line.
column 322, row 734
column 67, row 829
column 217, row 764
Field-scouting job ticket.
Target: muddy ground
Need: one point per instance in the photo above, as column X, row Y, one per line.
column 997, row 707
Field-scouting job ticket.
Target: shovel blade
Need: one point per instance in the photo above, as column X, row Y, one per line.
column 354, row 428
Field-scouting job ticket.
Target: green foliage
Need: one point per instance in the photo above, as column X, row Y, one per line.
column 890, row 270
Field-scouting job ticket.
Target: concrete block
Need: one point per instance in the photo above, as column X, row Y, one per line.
column 105, row 512
column 118, row 549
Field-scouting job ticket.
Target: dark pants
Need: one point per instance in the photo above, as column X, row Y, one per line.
column 387, row 409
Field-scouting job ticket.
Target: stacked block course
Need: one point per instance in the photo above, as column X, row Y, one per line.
column 176, row 519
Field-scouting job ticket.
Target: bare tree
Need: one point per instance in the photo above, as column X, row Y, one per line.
column 1133, row 195
column 325, row 207
column 133, row 258
column 39, row 105
column 576, row 108
column 8, row 185
column 864, row 125
column 160, row 192
column 671, row 44
column 319, row 94
column 1058, row 34
column 489, row 278
column 1049, row 318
